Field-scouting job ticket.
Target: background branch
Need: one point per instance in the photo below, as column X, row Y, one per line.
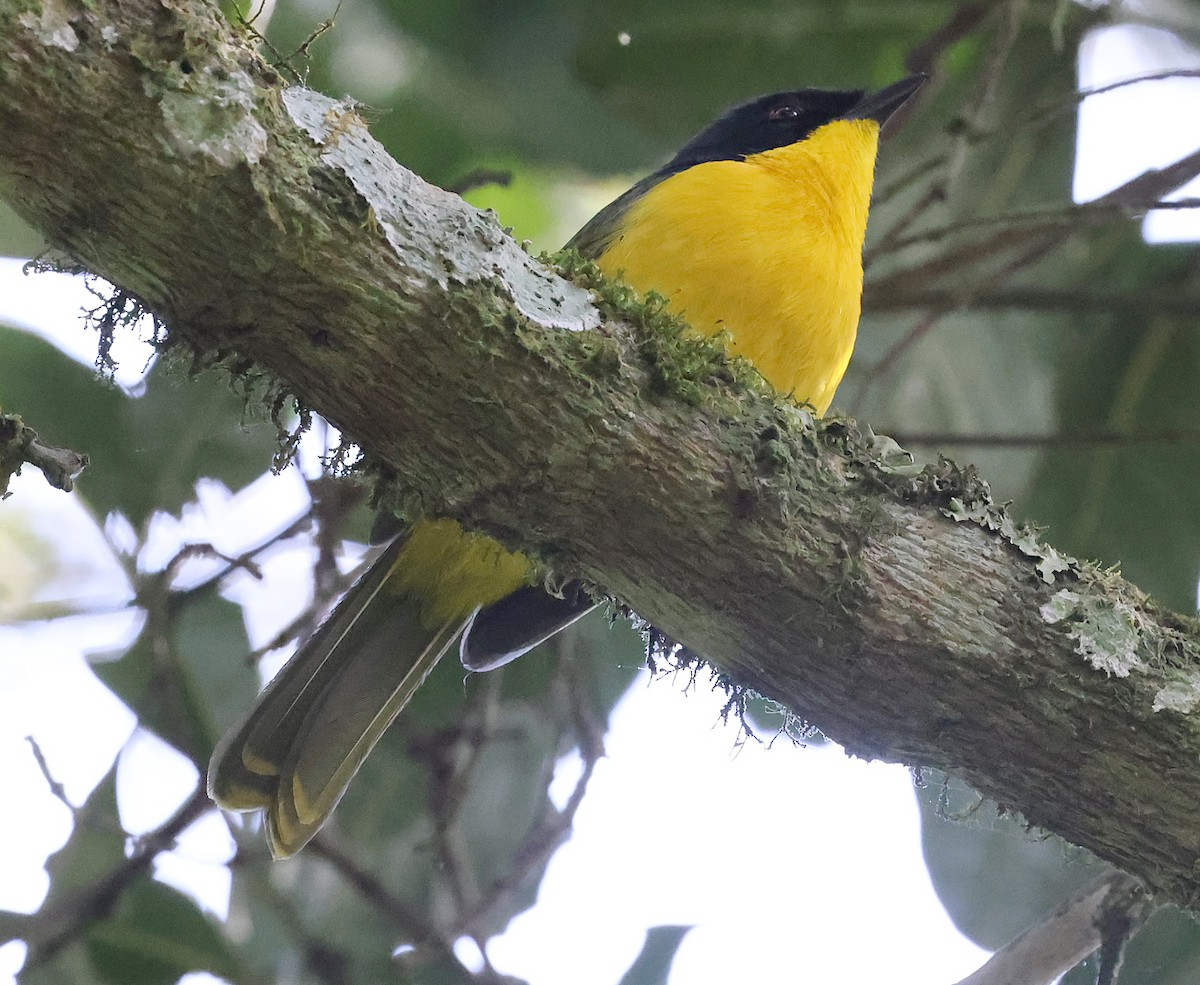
column 19, row 444
column 1099, row 918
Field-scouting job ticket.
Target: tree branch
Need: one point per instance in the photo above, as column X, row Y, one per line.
column 902, row 612
column 49, row 930
column 19, row 444
column 1100, row 917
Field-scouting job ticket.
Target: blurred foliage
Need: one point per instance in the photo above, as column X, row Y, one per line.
column 1015, row 327
column 969, row 844
column 155, row 936
column 151, row 450
column 997, row 877
column 179, row 675
column 653, row 963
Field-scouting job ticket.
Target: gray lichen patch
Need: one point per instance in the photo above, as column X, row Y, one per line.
column 1049, row 562
column 214, row 118
column 1107, row 632
column 1181, row 693
column 441, row 237
column 53, row 25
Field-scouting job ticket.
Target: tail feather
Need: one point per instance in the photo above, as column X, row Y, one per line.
column 315, row 723
column 281, row 710
column 341, row 731
column 356, row 709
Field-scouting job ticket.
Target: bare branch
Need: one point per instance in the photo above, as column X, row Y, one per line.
column 1105, row 439
column 1099, row 918
column 51, row 929
column 19, row 444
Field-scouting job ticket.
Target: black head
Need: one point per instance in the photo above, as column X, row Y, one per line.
column 784, row 118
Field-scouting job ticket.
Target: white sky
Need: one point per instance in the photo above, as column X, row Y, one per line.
column 1149, row 125
column 837, row 855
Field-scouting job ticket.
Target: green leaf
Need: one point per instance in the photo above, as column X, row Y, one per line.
column 968, row 845
column 388, row 818
column 146, row 453
column 156, row 936
column 1166, row 951
column 684, row 62
column 1133, row 371
column 459, row 65
column 653, row 963
column 96, row 846
column 192, row 681
column 95, row 849
column 1027, row 875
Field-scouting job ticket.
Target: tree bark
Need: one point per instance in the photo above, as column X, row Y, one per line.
column 898, row 610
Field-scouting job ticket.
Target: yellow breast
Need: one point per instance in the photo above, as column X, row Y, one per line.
column 768, row 249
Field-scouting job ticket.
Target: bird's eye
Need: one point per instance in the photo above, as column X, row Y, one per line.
column 785, row 112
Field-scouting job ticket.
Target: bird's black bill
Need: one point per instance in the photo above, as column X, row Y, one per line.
column 878, row 106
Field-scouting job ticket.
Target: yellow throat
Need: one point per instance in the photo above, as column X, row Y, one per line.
column 777, row 239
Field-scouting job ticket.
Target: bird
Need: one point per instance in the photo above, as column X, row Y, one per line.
column 754, row 229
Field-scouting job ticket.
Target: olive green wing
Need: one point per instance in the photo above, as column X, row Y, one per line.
column 604, row 228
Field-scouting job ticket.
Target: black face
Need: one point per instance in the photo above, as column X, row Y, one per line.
column 776, row 120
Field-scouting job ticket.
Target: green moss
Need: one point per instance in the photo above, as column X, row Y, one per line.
column 681, row 363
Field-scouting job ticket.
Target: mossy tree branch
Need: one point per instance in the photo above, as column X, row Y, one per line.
column 900, row 612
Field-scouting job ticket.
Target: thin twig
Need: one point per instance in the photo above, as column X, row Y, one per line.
column 951, row 163
column 408, row 922
column 327, row 964
column 1100, row 439
column 320, row 29
column 453, row 762
column 927, row 53
column 279, row 62
column 240, row 562
column 1036, row 118
column 1099, row 918
column 1154, row 183
column 1069, row 215
column 892, row 296
column 1150, row 185
column 548, row 833
column 957, row 300
column 303, row 625
column 985, row 93
column 55, row 786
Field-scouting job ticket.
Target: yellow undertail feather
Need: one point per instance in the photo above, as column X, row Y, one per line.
column 455, row 572
column 316, row 722
column 793, row 219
